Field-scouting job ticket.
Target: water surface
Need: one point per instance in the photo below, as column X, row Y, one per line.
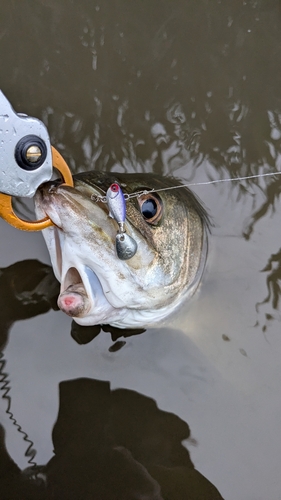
column 189, row 409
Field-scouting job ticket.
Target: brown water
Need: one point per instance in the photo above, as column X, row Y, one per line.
column 192, row 89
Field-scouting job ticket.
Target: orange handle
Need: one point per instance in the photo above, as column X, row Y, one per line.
column 6, row 209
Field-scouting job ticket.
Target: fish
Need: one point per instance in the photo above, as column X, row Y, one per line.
column 170, row 228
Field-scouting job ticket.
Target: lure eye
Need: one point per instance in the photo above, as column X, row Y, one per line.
column 114, row 187
column 151, row 207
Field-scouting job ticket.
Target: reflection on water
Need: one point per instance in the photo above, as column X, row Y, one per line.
column 151, row 75
column 106, row 444
column 102, row 451
column 273, row 270
column 27, row 288
column 190, row 89
column 85, row 334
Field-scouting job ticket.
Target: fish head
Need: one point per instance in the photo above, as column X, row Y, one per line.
column 169, row 228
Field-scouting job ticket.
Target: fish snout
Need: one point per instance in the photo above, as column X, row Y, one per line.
column 47, row 189
column 47, row 201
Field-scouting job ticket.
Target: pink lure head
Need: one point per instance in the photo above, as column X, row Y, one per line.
column 115, row 187
column 114, row 190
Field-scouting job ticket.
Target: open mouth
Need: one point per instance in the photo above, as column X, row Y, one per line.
column 81, row 295
column 74, row 300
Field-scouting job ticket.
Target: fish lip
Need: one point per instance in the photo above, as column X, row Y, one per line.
column 66, row 282
column 43, row 210
column 64, row 274
column 98, row 306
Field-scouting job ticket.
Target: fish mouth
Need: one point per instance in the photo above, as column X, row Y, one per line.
column 82, row 296
column 73, row 298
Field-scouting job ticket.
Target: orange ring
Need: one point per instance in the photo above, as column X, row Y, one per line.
column 6, row 209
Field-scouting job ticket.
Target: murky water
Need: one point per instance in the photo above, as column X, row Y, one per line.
column 190, row 409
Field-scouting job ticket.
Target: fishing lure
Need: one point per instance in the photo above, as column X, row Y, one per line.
column 126, row 246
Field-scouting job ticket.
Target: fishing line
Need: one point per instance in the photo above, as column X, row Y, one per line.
column 127, row 196
column 204, row 183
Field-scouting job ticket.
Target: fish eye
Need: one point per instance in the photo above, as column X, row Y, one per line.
column 151, row 207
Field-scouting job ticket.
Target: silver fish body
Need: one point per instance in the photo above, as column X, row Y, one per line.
column 97, row 287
